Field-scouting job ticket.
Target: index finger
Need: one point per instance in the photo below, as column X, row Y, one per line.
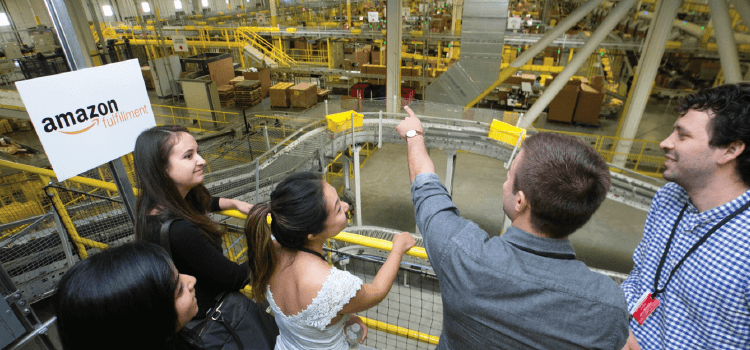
column 409, row 111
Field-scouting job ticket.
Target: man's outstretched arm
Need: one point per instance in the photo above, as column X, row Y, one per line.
column 419, row 160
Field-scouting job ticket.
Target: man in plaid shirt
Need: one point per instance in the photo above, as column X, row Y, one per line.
column 694, row 259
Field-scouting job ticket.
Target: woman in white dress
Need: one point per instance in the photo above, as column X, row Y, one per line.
column 311, row 300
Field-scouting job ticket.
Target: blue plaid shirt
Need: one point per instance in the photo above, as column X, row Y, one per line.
column 705, row 305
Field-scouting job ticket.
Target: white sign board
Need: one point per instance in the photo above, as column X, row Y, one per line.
column 180, row 43
column 88, row 117
column 372, row 17
column 514, row 23
column 405, row 11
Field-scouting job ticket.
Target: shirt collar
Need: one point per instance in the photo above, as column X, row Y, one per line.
column 720, row 211
column 522, row 238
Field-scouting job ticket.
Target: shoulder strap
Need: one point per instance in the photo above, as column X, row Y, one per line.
column 164, row 236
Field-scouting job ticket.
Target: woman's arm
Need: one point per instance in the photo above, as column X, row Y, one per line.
column 372, row 294
column 197, row 256
column 228, row 204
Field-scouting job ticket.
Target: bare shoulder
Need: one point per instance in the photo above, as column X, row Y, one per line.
column 297, row 282
column 312, row 273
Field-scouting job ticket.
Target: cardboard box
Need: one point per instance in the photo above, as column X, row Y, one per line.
column 364, row 69
column 379, row 70
column 222, row 71
column 416, row 71
column 264, row 76
column 303, row 95
column 563, row 105
column 147, row 77
column 348, row 64
column 597, row 82
column 362, row 57
column 406, row 71
column 588, row 105
column 375, row 57
column 280, row 94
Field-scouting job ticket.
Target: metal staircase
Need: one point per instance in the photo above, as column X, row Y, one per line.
column 262, row 51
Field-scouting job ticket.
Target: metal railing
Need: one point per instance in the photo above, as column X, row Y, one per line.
column 205, row 119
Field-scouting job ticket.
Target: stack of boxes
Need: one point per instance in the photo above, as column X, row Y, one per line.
column 578, row 101
column 589, row 102
column 362, row 56
column 226, row 95
column 264, row 76
column 248, row 93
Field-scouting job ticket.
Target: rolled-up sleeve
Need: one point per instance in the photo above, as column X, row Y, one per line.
column 436, row 216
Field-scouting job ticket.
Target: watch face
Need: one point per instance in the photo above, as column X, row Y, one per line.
column 411, row 133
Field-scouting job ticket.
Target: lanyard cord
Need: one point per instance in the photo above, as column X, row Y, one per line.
column 692, row 249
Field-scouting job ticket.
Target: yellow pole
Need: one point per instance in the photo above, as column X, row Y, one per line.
column 400, row 331
column 349, row 14
column 49, row 173
column 158, row 17
column 77, row 240
column 439, row 53
column 328, row 48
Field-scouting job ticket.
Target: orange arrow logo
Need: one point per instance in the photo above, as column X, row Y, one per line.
column 93, row 123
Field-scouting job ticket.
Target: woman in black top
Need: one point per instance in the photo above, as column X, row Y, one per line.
column 170, row 178
column 127, row 297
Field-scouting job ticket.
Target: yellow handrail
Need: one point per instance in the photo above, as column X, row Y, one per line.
column 400, row 331
column 350, row 238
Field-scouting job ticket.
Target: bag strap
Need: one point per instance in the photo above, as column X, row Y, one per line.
column 217, row 316
column 164, row 236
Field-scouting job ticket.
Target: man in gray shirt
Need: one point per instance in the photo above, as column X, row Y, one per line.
column 524, row 289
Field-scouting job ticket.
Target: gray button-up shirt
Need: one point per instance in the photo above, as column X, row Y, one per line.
column 516, row 291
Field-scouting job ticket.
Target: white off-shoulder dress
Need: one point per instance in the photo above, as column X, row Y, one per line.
column 309, row 329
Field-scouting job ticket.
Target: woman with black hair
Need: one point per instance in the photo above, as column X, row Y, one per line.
column 169, row 171
column 128, row 297
column 311, row 300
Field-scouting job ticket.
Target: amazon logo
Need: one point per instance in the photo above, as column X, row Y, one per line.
column 108, row 111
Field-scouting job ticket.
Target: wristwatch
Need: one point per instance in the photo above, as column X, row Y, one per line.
column 412, row 133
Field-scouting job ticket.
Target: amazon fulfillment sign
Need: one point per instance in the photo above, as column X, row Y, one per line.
column 88, row 117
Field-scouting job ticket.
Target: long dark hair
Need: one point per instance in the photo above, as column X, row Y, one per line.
column 122, row 297
column 158, row 191
column 297, row 208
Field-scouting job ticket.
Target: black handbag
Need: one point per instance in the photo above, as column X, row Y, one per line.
column 234, row 323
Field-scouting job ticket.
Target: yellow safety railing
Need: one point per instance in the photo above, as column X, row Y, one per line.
column 202, row 116
column 81, row 243
column 335, row 168
column 648, row 159
column 310, row 56
column 244, row 35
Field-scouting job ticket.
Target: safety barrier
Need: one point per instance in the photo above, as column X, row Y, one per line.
column 205, row 119
column 93, row 208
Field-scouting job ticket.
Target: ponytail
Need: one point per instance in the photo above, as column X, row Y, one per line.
column 261, row 251
column 298, row 208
